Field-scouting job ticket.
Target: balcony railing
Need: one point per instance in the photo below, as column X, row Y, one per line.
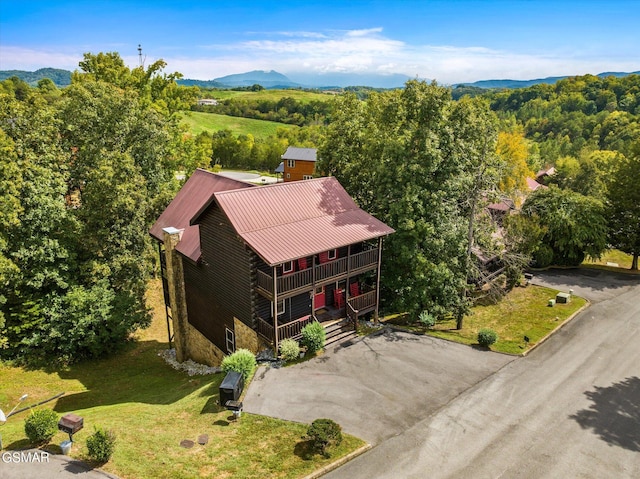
column 363, row 302
column 292, row 329
column 355, row 263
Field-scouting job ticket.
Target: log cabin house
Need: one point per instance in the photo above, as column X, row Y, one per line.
column 298, row 163
column 246, row 266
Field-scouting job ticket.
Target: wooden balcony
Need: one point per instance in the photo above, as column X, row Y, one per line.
column 292, row 329
column 290, row 284
column 361, row 304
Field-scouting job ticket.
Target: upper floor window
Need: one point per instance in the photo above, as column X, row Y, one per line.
column 291, row 163
column 332, row 254
column 307, row 177
column 287, row 267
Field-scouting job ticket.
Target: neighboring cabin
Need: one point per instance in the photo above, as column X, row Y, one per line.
column 247, row 266
column 298, row 163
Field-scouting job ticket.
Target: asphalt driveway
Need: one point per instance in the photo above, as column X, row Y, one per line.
column 375, row 388
column 593, row 284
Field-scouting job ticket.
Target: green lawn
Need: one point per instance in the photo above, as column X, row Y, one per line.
column 212, row 122
column 523, row 312
column 273, row 95
column 151, row 408
column 623, row 260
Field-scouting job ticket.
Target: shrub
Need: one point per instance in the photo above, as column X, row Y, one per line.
column 289, row 349
column 242, row 361
column 101, row 445
column 543, row 256
column 324, row 433
column 313, row 336
column 486, row 337
column 41, row 425
column 427, row 319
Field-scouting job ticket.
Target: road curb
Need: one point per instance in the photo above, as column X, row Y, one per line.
column 558, row 328
column 335, row 465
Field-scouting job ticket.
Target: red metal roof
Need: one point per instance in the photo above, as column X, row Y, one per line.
column 287, row 221
column 194, row 196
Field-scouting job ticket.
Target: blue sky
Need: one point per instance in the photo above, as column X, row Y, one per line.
column 450, row 41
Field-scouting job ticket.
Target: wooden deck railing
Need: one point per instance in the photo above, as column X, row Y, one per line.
column 325, row 271
column 265, row 329
column 364, row 259
column 362, row 302
column 291, row 329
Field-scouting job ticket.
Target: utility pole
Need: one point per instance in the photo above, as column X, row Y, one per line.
column 140, row 59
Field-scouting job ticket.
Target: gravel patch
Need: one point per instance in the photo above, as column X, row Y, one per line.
column 190, row 367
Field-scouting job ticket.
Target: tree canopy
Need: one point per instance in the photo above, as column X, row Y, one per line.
column 84, row 172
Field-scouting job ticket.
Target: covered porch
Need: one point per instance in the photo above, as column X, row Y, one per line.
column 349, row 311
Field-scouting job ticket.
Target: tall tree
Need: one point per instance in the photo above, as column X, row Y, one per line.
column 575, row 225
column 623, row 205
column 406, row 156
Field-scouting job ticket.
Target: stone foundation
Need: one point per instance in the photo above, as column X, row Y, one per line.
column 200, row 349
column 246, row 337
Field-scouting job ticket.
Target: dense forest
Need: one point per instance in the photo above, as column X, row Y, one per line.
column 86, row 169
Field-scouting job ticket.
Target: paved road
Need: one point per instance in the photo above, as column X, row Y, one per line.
column 570, row 409
column 375, row 388
column 36, row 464
column 593, row 284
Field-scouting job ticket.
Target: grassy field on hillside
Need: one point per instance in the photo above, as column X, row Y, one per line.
column 152, row 408
column 274, row 95
column 212, row 122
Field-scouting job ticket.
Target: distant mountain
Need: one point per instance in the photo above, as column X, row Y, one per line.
column 59, row 77
column 273, row 79
column 509, row 84
column 270, row 79
column 201, row 83
column 326, row 80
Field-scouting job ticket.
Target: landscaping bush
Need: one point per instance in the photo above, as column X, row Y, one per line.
column 486, row 337
column 41, row 425
column 313, row 336
column 101, row 445
column 543, row 256
column 427, row 319
column 289, row 349
column 242, row 361
column 324, row 433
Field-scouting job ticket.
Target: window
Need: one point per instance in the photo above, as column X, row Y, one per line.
column 307, row 177
column 280, row 307
column 332, row 254
column 288, row 175
column 231, row 341
column 291, row 163
column 287, row 267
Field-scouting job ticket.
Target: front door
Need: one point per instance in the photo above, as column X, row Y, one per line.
column 319, row 300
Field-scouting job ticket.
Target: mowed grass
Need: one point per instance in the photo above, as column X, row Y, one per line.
column 523, row 312
column 151, row 408
column 273, row 95
column 212, row 122
column 623, row 260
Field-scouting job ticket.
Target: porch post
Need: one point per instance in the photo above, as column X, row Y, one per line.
column 375, row 317
column 347, row 289
column 275, row 310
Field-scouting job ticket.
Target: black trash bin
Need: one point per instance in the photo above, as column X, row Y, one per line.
column 231, row 387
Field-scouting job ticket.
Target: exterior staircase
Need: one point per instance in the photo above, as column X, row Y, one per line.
column 338, row 332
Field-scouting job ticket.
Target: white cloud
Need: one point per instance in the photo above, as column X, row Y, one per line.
column 17, row 58
column 350, row 51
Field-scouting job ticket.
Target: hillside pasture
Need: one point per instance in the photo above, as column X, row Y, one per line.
column 273, row 95
column 199, row 122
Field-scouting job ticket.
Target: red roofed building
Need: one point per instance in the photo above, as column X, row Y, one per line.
column 249, row 266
